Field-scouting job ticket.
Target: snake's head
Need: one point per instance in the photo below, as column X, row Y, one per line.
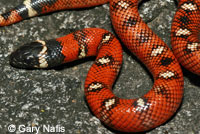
column 38, row 54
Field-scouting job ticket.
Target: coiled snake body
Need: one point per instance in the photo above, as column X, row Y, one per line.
column 128, row 115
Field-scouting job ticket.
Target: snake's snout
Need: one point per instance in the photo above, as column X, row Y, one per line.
column 27, row 56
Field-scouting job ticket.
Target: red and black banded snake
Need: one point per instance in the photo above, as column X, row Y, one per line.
column 128, row 115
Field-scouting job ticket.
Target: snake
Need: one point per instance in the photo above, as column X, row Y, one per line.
column 127, row 115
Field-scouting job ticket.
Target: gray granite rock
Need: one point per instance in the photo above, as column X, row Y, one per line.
column 55, row 97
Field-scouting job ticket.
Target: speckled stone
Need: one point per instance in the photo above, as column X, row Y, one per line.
column 55, row 97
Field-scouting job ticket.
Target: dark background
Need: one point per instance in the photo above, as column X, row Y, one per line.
column 56, row 97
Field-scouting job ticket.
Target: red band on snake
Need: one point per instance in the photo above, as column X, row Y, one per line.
column 128, row 115
column 185, row 35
